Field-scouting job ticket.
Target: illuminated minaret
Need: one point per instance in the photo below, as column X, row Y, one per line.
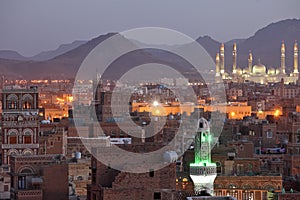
column 222, row 61
column 296, row 58
column 234, row 55
column 218, row 64
column 203, row 172
column 250, row 60
column 282, row 58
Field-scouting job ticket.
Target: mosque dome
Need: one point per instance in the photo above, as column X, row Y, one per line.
column 277, row 71
column 271, row 71
column 259, row 69
column 239, row 71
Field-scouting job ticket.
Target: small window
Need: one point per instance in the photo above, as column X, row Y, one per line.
column 27, row 139
column 157, row 195
column 151, row 173
column 12, row 139
column 6, row 188
column 219, row 167
column 201, row 125
column 241, row 147
column 269, row 134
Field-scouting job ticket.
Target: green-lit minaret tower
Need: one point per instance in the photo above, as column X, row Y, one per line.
column 203, row 172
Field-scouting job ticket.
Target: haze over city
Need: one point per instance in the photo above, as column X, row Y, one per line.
column 32, row 26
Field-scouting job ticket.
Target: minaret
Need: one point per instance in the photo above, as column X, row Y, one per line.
column 234, row 55
column 296, row 58
column 218, row 64
column 250, row 60
column 203, row 172
column 222, row 61
column 282, row 59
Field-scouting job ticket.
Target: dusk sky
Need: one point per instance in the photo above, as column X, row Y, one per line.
column 32, row 26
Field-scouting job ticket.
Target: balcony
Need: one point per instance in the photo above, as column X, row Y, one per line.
column 202, row 170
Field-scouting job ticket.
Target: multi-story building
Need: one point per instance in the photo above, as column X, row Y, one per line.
column 240, row 176
column 52, row 139
column 39, row 177
column 292, row 158
column 20, row 125
column 5, row 182
column 79, row 174
column 108, row 183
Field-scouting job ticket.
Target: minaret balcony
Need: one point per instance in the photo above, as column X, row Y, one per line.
column 199, row 170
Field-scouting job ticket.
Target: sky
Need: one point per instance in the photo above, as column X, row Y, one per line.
column 32, row 26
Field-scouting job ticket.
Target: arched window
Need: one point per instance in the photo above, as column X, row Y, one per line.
column 247, row 193
column 27, row 136
column 11, row 152
column 269, row 188
column 27, row 152
column 22, row 182
column 12, row 101
column 26, row 171
column 232, row 186
column 232, row 191
column 12, row 136
column 219, row 167
column 27, row 101
column 185, row 182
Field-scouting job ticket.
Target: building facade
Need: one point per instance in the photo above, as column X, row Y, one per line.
column 39, row 177
column 20, row 122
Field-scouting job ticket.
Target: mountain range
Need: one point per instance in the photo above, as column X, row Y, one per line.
column 43, row 56
column 65, row 61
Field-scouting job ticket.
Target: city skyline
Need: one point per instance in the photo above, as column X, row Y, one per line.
column 31, row 27
column 151, row 100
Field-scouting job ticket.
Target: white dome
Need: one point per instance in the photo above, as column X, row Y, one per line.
column 271, row 71
column 259, row 69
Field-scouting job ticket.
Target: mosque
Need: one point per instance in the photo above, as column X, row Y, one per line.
column 257, row 73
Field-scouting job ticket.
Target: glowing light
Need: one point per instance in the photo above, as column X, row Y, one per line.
column 155, row 103
column 157, row 112
column 276, row 113
column 70, row 98
column 232, row 114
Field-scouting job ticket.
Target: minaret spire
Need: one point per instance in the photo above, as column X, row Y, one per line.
column 282, row 59
column 203, row 172
column 296, row 58
column 250, row 61
column 222, row 61
column 218, row 64
column 234, row 56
